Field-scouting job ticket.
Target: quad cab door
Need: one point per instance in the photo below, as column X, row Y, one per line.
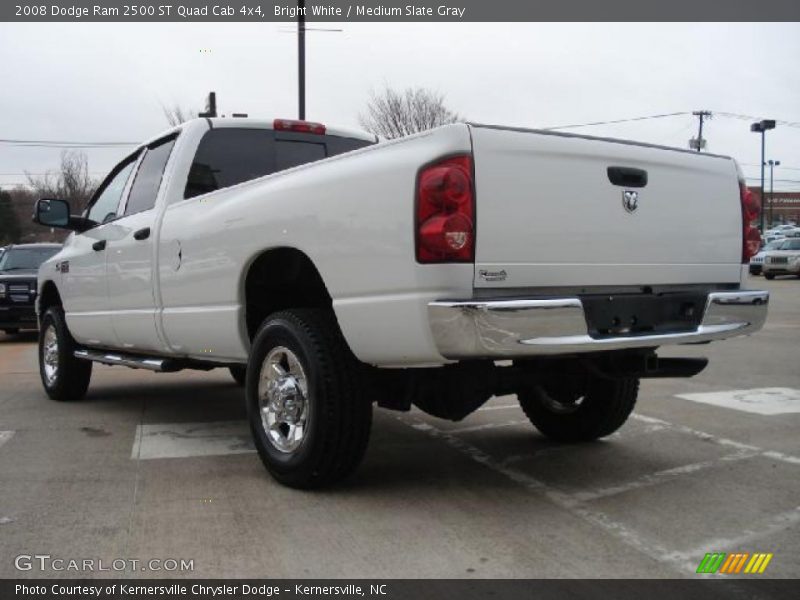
column 130, row 254
column 84, row 284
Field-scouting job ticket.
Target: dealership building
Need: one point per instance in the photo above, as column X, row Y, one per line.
column 779, row 206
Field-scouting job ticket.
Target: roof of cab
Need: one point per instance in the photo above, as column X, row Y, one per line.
column 247, row 122
column 269, row 124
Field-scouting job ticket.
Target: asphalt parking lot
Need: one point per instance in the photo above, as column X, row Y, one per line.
column 161, row 466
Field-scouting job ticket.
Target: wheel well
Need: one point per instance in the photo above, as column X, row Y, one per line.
column 278, row 279
column 50, row 297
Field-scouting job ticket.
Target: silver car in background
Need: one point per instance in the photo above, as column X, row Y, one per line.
column 784, row 260
column 757, row 262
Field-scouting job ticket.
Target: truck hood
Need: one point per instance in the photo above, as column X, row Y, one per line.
column 788, row 253
column 21, row 274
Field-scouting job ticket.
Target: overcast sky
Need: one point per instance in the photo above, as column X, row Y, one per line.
column 108, row 82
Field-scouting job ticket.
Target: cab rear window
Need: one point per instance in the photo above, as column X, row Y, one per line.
column 231, row 155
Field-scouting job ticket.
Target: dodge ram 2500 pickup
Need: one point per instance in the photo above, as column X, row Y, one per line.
column 329, row 272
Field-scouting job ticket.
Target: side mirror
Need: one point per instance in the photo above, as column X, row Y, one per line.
column 52, row 212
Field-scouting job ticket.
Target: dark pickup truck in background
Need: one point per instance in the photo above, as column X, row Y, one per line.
column 19, row 265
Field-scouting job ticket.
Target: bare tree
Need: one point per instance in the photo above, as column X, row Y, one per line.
column 22, row 201
column 176, row 115
column 393, row 114
column 10, row 230
column 70, row 182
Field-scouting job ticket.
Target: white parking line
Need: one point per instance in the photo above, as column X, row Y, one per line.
column 499, row 407
column 775, row 524
column 761, row 401
column 659, row 477
column 5, row 436
column 564, row 501
column 575, row 503
column 486, row 426
column 184, row 440
column 787, row 458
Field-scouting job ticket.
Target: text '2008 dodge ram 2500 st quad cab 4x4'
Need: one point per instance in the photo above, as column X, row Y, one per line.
column 328, row 272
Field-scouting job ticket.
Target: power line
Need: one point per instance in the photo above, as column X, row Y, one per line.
column 42, row 173
column 781, row 180
column 65, row 144
column 675, row 114
column 752, row 118
column 759, row 166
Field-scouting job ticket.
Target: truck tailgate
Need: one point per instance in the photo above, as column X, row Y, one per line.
column 549, row 215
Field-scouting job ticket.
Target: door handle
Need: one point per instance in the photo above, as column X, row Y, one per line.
column 142, row 234
column 99, row 245
column 627, row 176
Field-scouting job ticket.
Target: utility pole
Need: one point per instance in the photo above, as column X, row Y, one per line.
column 700, row 143
column 301, row 59
column 772, row 164
column 762, row 127
column 301, row 56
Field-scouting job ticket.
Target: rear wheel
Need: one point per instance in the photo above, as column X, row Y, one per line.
column 579, row 409
column 769, row 276
column 308, row 413
column 64, row 377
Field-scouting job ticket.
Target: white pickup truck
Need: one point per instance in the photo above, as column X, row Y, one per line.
column 328, row 272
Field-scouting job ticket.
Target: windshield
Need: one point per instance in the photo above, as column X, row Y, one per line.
column 790, row 245
column 17, row 259
column 772, row 246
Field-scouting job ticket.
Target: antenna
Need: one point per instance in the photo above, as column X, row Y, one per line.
column 211, row 106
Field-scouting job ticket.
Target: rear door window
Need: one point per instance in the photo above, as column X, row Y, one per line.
column 227, row 156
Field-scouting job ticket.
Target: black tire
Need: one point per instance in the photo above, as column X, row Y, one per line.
column 11, row 331
column 239, row 374
column 71, row 379
column 339, row 413
column 579, row 410
column 769, row 276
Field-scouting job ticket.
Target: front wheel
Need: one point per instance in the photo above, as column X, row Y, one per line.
column 64, row 377
column 769, row 276
column 308, row 412
column 579, row 409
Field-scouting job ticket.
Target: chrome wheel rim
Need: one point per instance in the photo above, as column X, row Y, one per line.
column 50, row 354
column 561, row 407
column 562, row 402
column 283, row 399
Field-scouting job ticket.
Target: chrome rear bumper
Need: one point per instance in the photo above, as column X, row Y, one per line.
column 520, row 328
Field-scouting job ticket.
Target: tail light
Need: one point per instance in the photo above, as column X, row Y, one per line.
column 298, row 126
column 445, row 212
column 751, row 237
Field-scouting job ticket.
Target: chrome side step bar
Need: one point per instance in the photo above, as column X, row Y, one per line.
column 162, row 365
